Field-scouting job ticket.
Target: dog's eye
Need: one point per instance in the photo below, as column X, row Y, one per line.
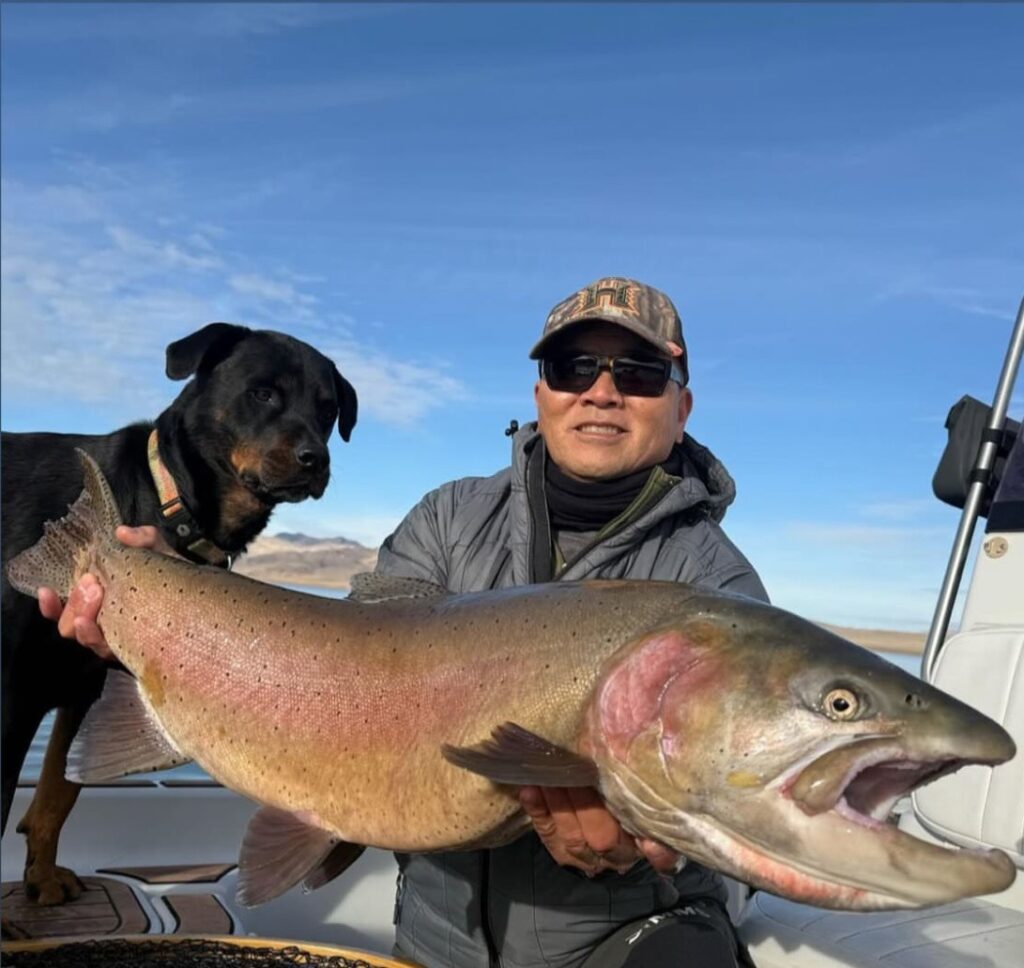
column 263, row 394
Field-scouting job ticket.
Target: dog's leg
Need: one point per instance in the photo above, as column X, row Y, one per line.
column 45, row 882
column 21, row 720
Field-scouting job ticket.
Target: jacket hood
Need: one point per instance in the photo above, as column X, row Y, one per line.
column 706, row 485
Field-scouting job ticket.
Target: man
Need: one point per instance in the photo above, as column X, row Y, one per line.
column 605, row 485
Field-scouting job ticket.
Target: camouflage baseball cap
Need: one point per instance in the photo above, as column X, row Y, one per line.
column 641, row 309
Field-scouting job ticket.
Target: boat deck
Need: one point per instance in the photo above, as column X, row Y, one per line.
column 113, row 906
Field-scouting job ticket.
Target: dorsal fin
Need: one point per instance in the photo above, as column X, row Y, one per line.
column 369, row 588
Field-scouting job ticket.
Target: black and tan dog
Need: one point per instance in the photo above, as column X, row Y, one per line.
column 249, row 431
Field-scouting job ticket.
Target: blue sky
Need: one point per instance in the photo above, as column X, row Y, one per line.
column 833, row 196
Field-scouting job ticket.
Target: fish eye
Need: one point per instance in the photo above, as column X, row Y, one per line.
column 841, row 703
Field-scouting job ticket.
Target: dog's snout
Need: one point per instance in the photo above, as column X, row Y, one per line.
column 311, row 457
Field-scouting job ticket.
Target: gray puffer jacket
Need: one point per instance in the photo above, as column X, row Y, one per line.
column 514, row 906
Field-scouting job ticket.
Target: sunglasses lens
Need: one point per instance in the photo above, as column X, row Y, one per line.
column 641, row 378
column 571, row 374
column 635, row 378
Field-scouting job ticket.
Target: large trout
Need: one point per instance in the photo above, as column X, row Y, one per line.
column 740, row 735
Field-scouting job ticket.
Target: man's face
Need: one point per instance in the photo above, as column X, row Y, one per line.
column 601, row 434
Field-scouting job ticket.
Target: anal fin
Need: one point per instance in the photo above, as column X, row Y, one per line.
column 119, row 735
column 516, row 756
column 342, row 856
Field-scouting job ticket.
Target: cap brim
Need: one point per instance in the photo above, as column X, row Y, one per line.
column 662, row 346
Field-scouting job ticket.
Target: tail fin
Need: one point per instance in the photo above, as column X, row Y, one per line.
column 68, row 546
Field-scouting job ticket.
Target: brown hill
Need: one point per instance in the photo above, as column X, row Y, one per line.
column 297, row 559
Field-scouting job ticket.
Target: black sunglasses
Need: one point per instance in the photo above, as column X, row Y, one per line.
column 634, row 378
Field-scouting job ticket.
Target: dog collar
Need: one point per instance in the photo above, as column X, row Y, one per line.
column 187, row 536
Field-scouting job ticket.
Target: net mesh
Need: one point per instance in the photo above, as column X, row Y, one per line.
column 192, row 953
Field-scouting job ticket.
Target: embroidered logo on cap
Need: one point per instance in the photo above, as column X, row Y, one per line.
column 607, row 296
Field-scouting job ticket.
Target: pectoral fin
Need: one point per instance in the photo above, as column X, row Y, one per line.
column 120, row 735
column 517, row 757
column 281, row 849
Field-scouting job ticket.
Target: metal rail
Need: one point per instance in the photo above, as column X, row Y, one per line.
column 972, row 506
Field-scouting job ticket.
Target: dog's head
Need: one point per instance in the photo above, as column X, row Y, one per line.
column 262, row 407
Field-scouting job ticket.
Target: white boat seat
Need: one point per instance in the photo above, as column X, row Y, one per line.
column 980, row 806
column 968, row 934
column 976, row 807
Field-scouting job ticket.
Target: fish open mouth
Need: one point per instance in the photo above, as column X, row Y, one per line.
column 864, row 780
column 853, row 788
column 873, row 792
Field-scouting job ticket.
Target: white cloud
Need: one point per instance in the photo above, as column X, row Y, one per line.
column 852, row 535
column 165, row 254
column 985, row 296
column 216, row 22
column 100, row 107
column 89, row 305
column 397, row 391
column 906, row 509
column 848, row 572
column 267, row 289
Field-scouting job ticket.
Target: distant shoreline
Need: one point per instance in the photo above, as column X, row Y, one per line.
column 881, row 640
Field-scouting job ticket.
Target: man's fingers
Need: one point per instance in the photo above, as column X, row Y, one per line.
column 599, row 829
column 88, row 634
column 144, row 536
column 554, row 820
column 577, row 829
column 663, row 859
column 50, row 604
column 83, row 602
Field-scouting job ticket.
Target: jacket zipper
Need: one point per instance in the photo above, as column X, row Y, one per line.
column 604, row 537
column 485, row 912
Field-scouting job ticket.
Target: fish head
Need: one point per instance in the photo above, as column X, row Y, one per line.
column 773, row 750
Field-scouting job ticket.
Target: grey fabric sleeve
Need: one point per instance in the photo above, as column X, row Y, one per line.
column 416, row 548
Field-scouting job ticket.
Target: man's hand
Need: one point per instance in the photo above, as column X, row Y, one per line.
column 578, row 831
column 77, row 619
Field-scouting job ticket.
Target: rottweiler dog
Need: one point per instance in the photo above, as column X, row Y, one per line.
column 248, row 431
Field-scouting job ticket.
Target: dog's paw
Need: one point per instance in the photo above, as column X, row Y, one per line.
column 56, row 886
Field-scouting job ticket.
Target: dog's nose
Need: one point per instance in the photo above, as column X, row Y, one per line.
column 311, row 458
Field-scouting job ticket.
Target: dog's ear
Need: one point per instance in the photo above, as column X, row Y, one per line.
column 347, row 405
column 205, row 347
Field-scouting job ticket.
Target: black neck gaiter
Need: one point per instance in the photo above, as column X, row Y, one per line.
column 589, row 505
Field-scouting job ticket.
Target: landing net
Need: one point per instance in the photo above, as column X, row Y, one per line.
column 193, row 953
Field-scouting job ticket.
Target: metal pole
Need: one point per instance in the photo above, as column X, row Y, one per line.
column 972, row 506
